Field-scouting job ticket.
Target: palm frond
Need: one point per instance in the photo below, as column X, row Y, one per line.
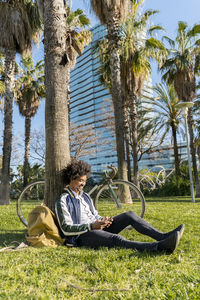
column 170, row 41
column 181, row 26
column 194, row 31
column 19, row 24
column 77, row 37
column 29, row 87
column 77, row 18
column 2, row 87
column 155, row 43
column 104, row 8
column 149, row 13
column 152, row 29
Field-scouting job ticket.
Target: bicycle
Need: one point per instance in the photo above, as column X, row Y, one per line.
column 31, row 196
column 110, row 193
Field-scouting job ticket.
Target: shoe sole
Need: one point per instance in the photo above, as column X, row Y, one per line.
column 170, row 251
column 177, row 239
column 181, row 231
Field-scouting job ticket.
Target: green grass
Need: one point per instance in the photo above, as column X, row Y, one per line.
column 40, row 273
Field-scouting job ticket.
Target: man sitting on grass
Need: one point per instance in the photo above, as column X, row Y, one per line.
column 81, row 225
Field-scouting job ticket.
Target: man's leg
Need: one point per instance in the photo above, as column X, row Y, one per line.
column 100, row 238
column 130, row 218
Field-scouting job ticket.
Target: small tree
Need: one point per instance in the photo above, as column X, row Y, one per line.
column 167, row 116
column 83, row 140
column 181, row 69
column 137, row 47
column 28, row 92
column 19, row 22
column 111, row 13
column 37, row 146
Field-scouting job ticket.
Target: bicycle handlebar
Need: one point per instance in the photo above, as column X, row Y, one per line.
column 108, row 176
column 114, row 171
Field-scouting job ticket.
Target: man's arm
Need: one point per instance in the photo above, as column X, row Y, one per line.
column 100, row 224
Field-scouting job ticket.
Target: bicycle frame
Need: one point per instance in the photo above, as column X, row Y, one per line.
column 114, row 195
column 108, row 181
column 93, row 189
column 98, row 186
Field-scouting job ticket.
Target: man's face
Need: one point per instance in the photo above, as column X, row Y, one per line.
column 78, row 184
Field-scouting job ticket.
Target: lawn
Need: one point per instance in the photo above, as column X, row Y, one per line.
column 49, row 273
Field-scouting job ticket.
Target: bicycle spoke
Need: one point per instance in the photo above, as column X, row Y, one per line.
column 30, row 197
column 121, row 193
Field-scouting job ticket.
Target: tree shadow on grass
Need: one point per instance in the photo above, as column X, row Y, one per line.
column 8, row 237
column 169, row 199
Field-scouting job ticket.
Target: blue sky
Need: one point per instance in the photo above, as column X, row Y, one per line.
column 171, row 11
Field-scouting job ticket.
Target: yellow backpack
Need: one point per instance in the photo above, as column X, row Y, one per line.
column 42, row 228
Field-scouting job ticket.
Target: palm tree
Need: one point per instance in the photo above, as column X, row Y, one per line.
column 56, row 108
column 59, row 41
column 28, row 91
column 181, row 69
column 137, row 48
column 112, row 13
column 167, row 116
column 19, row 23
column 135, row 52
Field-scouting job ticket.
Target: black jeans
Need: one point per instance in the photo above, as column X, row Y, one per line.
column 109, row 237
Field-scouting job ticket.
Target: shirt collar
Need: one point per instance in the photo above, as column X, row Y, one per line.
column 74, row 193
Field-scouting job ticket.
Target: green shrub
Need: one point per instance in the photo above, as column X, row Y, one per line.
column 180, row 187
column 173, row 186
column 35, row 172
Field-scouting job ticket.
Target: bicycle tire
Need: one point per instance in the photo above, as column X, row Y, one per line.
column 104, row 196
column 26, row 201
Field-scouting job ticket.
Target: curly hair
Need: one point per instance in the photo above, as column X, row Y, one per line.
column 75, row 169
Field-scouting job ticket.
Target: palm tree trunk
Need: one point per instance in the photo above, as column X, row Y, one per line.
column 128, row 158
column 134, row 133
column 10, row 57
column 114, row 38
column 193, row 152
column 56, row 109
column 27, row 148
column 68, row 94
column 127, row 143
column 119, row 120
column 176, row 158
column 118, row 112
column 126, row 127
column 198, row 152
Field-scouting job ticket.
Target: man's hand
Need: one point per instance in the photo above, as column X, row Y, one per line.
column 100, row 224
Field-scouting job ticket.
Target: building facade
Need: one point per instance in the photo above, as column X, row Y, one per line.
column 90, row 106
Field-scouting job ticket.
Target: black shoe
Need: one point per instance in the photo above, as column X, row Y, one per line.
column 179, row 229
column 170, row 243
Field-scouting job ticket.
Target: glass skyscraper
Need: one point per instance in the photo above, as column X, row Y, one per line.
column 90, row 104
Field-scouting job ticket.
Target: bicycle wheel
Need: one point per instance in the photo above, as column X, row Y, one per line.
column 31, row 196
column 135, row 196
